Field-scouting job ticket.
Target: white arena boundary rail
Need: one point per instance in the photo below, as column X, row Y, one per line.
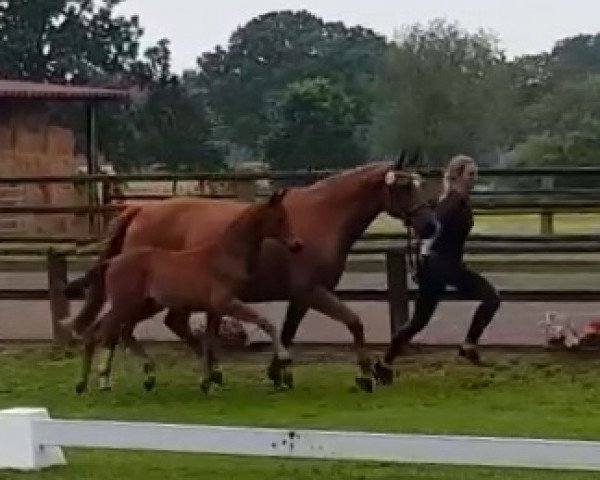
column 30, row 440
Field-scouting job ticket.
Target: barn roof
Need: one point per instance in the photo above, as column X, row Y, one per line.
column 17, row 89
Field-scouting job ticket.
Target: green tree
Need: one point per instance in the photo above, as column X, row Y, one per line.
column 445, row 91
column 276, row 49
column 170, row 126
column 564, row 126
column 67, row 40
column 313, row 126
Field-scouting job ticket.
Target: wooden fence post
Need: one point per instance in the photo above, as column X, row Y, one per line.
column 546, row 222
column 106, row 200
column 245, row 190
column 397, row 289
column 60, row 307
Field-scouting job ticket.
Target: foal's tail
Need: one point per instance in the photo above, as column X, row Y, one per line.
column 93, row 280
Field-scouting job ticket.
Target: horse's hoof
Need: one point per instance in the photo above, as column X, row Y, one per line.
column 205, row 385
column 366, row 384
column 217, row 377
column 273, row 370
column 384, row 374
column 275, row 373
column 80, row 388
column 104, row 385
column 284, row 362
column 288, row 379
column 149, row 383
column 471, row 355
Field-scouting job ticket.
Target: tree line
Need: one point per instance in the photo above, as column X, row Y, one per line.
column 298, row 92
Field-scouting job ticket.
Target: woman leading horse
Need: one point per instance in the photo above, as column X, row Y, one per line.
column 441, row 264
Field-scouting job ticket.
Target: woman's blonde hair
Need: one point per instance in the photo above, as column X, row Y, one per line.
column 454, row 170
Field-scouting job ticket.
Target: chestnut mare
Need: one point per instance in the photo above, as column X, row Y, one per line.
column 204, row 278
column 329, row 216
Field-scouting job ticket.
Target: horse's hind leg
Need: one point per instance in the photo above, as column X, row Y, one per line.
column 212, row 374
column 88, row 355
column 242, row 312
column 89, row 345
column 328, row 304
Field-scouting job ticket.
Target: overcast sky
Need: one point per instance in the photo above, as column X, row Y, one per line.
column 524, row 26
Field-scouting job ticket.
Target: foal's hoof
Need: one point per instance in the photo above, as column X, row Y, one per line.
column 149, row 383
column 273, row 371
column 471, row 355
column 366, row 384
column 384, row 374
column 216, row 377
column 80, row 388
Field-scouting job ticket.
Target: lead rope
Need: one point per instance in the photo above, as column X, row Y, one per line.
column 411, row 254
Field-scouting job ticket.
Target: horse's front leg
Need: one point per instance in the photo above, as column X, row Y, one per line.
column 212, row 372
column 328, row 304
column 294, row 315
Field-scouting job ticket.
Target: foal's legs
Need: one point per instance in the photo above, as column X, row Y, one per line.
column 110, row 326
column 178, row 322
column 90, row 336
column 242, row 312
column 137, row 349
column 328, row 304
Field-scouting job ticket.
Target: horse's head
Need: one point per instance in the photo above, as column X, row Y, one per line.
column 275, row 222
column 403, row 198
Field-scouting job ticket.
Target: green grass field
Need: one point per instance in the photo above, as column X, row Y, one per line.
column 539, row 395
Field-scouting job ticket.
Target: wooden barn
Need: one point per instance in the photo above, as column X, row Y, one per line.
column 35, row 142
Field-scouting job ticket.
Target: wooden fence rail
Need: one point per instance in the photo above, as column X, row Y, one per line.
column 104, row 199
column 545, row 202
column 398, row 295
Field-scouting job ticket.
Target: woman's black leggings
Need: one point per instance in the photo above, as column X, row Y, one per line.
column 434, row 274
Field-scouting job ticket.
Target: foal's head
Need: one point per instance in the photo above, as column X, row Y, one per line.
column 274, row 222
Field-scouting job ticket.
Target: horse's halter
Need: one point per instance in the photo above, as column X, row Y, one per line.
column 391, row 179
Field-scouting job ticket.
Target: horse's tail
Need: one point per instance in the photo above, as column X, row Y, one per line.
column 93, row 275
column 93, row 280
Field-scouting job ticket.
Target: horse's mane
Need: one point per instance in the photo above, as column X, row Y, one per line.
column 358, row 171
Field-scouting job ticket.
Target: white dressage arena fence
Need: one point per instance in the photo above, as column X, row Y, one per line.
column 31, row 440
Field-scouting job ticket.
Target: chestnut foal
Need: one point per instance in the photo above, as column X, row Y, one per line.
column 207, row 277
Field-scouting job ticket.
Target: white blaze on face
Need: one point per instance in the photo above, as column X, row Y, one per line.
column 417, row 180
column 390, row 178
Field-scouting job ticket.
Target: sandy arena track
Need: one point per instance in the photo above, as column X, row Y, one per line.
column 515, row 324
